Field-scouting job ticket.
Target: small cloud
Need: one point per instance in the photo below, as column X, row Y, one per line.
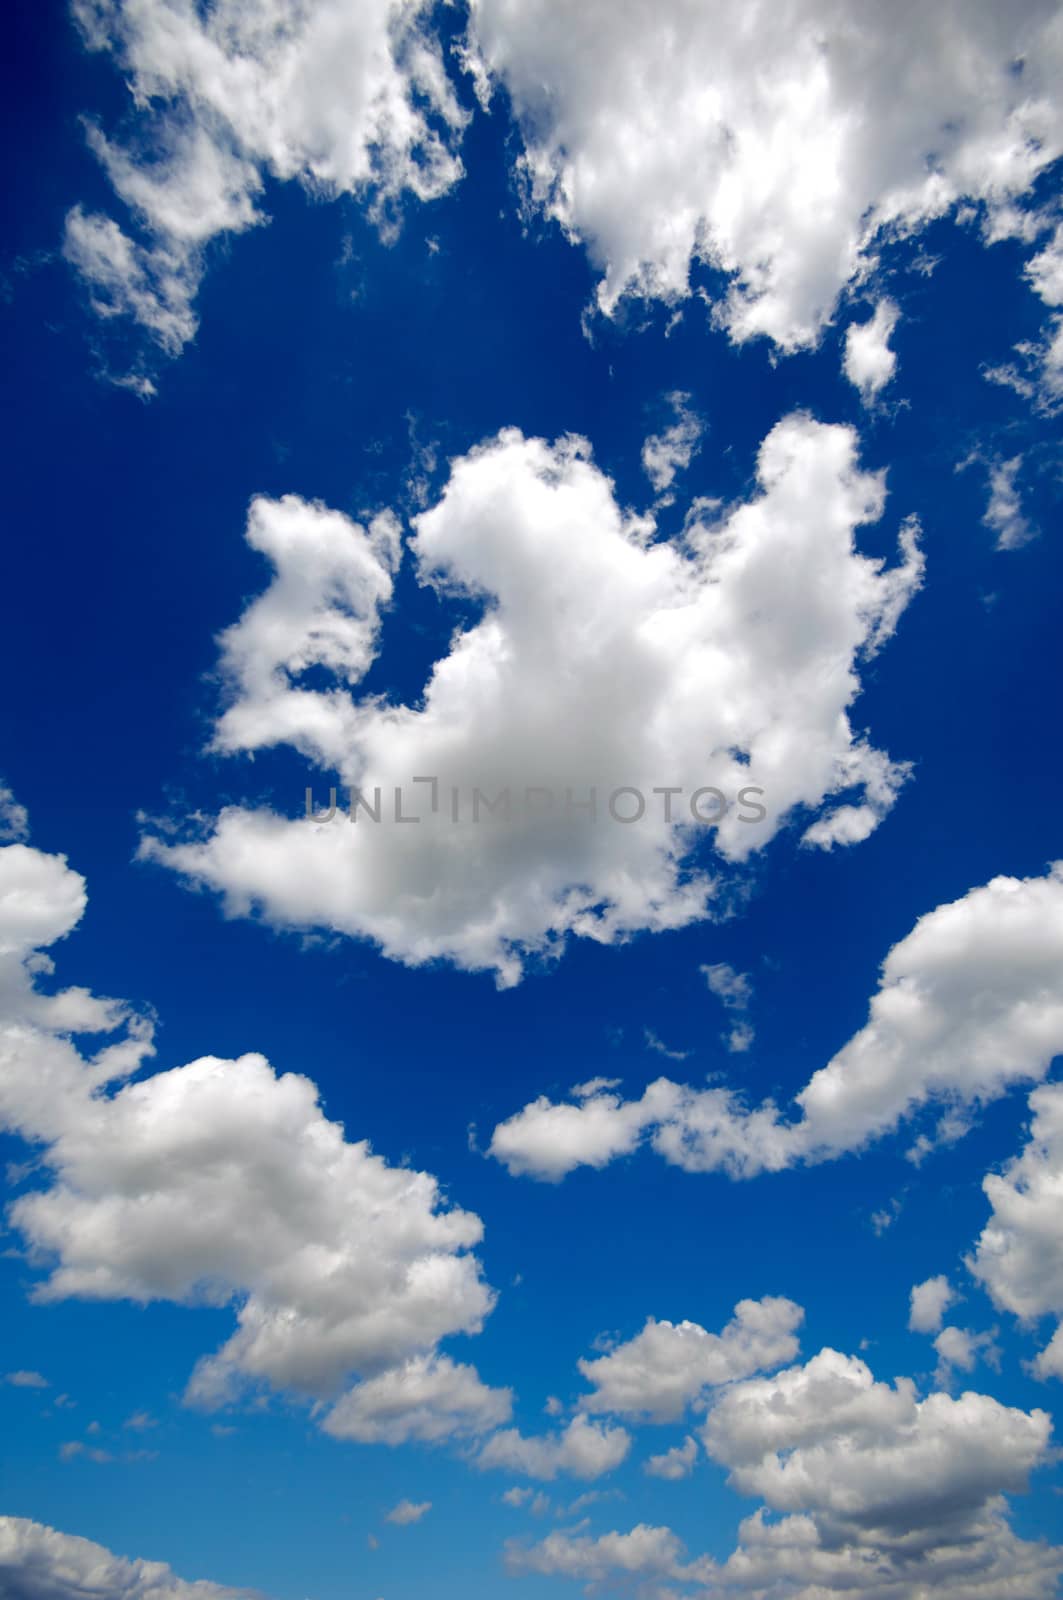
column 25, row 1380
column 654, row 1043
column 372, row 1542
column 740, row 1037
column 735, row 989
column 406, row 1512
column 14, row 819
column 679, row 1462
column 1004, row 513
column 667, row 453
column 140, row 1420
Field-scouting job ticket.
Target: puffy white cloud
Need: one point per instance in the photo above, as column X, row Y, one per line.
column 679, row 1462
column 1004, row 513
column 1019, row 1255
column 670, row 452
column 828, row 1439
column 428, row 1398
column 669, row 1365
column 604, row 660
column 583, row 1449
column 346, row 100
column 26, row 1380
column 869, row 362
column 777, row 142
column 959, row 1348
column 222, row 1182
column 929, row 1302
column 406, row 1512
column 969, row 1004
column 39, row 1563
column 880, row 1493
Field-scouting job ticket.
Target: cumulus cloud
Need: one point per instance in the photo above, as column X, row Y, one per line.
column 222, row 1183
column 39, row 1563
column 929, row 1302
column 670, row 452
column 777, row 144
column 670, row 1366
column 1019, row 1254
column 869, row 362
column 427, row 1399
column 679, row 1462
column 225, row 96
column 615, row 674
column 26, row 1380
column 866, row 1489
column 969, row 1004
column 583, row 1449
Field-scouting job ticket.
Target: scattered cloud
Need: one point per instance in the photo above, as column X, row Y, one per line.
column 869, row 362
column 406, row 1512
column 969, row 1004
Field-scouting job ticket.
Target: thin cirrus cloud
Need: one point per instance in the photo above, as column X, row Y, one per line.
column 970, row 1003
column 605, row 660
column 222, row 1182
column 865, row 1489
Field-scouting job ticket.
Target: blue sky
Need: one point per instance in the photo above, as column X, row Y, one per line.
column 364, row 355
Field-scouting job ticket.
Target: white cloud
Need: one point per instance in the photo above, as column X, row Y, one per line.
column 26, row 1380
column 1019, row 1254
column 869, row 1462
column 38, row 1563
column 970, row 1003
column 735, row 989
column 960, row 1349
column 14, row 819
column 346, row 101
column 670, row 452
column 777, row 145
column 679, row 1462
column 427, row 1399
column 929, row 1302
column 669, row 1366
column 406, row 1512
column 583, row 1449
column 222, row 1183
column 867, row 1490
column 1004, row 513
column 869, row 361
column 602, row 661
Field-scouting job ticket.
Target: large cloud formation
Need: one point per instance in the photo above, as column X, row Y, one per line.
column 777, row 140
column 1019, row 1254
column 347, row 99
column 222, row 1182
column 39, row 1563
column 866, row 1489
column 698, row 688
column 970, row 1003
